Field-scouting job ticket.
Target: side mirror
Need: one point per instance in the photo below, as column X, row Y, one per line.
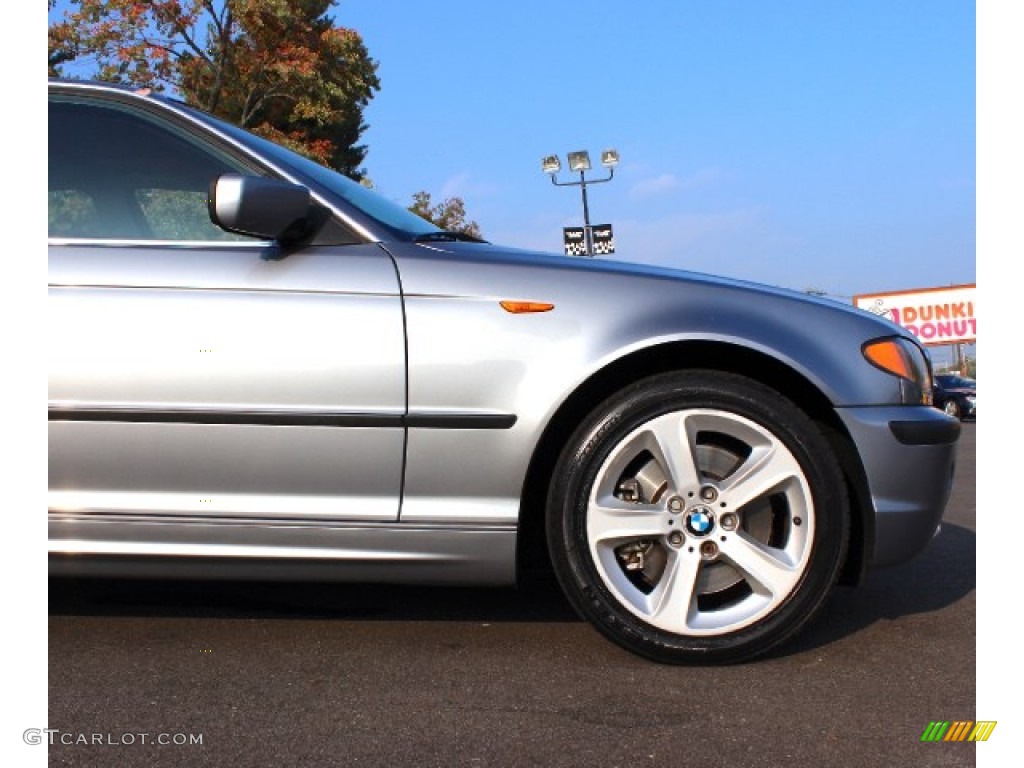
column 266, row 208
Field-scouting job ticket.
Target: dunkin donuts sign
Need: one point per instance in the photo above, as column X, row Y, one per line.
column 935, row 315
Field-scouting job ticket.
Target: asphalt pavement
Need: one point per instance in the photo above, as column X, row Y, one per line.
column 239, row 674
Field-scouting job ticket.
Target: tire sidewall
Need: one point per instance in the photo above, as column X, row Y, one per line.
column 608, row 425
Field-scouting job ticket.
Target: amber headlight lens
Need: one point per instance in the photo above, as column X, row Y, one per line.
column 904, row 359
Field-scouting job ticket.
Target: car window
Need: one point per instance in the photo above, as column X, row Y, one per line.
column 116, row 172
column 387, row 212
column 71, row 211
column 954, row 382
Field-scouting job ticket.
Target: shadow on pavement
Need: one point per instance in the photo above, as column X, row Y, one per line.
column 541, row 601
column 940, row 576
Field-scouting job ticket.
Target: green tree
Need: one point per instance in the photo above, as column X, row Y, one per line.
column 280, row 68
column 449, row 215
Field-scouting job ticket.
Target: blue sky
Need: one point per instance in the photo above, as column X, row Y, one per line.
column 806, row 144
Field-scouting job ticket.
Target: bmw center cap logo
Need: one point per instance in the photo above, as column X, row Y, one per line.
column 700, row 522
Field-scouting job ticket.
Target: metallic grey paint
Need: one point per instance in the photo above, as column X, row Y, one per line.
column 409, row 335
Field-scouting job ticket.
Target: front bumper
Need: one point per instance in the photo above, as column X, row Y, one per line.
column 908, row 455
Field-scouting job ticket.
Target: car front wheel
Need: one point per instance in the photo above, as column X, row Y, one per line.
column 952, row 408
column 697, row 517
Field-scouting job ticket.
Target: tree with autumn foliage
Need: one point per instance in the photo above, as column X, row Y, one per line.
column 449, row 215
column 63, row 40
column 280, row 68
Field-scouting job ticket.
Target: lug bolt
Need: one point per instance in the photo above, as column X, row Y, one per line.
column 708, row 493
column 676, row 504
column 676, row 539
column 708, row 550
column 729, row 521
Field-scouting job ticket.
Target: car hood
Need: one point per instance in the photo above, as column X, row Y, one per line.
column 496, row 254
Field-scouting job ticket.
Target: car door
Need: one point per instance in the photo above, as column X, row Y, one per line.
column 195, row 374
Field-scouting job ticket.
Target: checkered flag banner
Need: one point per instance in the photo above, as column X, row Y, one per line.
column 575, row 241
column 604, row 240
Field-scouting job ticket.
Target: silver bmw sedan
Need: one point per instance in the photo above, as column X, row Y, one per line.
column 259, row 368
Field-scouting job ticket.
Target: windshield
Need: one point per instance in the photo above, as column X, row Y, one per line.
column 373, row 204
column 956, row 382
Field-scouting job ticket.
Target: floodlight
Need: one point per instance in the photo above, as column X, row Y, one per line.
column 579, row 161
column 551, row 164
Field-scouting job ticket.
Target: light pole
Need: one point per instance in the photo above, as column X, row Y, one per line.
column 580, row 162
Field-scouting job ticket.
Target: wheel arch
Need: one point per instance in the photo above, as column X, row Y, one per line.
column 532, row 552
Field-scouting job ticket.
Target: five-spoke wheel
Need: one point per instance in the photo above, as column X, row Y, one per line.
column 697, row 516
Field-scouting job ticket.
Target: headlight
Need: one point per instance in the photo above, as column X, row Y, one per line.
column 904, row 359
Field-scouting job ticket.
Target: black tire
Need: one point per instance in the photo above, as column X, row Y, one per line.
column 745, row 578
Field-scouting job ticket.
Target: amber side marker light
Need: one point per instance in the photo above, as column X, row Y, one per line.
column 890, row 356
column 526, row 307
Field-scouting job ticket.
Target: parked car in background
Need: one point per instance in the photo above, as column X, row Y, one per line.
column 259, row 367
column 956, row 395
